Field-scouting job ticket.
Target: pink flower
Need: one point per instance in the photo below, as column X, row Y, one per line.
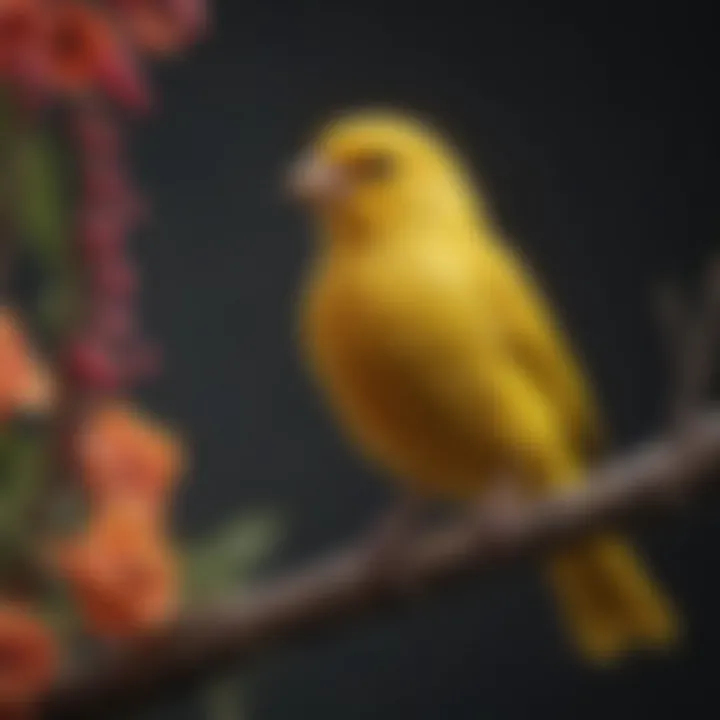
column 86, row 53
column 101, row 236
column 163, row 27
column 67, row 47
column 90, row 364
column 97, row 135
column 116, row 280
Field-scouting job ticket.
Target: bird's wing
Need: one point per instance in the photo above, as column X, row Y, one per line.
column 536, row 343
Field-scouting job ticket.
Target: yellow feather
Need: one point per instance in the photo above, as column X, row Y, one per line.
column 438, row 354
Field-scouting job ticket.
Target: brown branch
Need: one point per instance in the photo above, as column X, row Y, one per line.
column 342, row 588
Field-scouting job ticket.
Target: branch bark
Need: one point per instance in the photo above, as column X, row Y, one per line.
column 654, row 479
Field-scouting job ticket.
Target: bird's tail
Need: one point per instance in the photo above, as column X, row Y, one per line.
column 608, row 601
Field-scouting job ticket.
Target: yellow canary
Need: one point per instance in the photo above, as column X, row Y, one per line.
column 438, row 353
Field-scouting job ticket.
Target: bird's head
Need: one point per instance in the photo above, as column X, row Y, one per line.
column 375, row 172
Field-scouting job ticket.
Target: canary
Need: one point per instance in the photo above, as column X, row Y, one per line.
column 437, row 351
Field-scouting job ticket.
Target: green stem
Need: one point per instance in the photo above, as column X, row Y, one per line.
column 32, row 216
column 7, row 195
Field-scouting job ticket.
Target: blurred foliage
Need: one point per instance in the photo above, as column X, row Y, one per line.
column 35, row 222
column 7, row 199
column 33, row 190
column 22, row 466
column 59, row 611
column 225, row 561
column 225, row 699
column 41, row 213
column 228, row 557
column 44, row 223
column 35, row 213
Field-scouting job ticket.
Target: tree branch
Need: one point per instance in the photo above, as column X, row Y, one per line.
column 343, row 588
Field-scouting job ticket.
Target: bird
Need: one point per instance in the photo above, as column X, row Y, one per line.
column 435, row 348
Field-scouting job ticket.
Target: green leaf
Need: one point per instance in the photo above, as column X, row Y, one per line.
column 5, row 444
column 59, row 611
column 42, row 217
column 57, row 303
column 21, row 473
column 22, row 476
column 230, row 555
column 224, row 699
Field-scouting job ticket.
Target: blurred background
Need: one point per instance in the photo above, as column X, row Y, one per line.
column 593, row 127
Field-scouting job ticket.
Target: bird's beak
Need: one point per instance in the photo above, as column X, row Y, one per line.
column 313, row 179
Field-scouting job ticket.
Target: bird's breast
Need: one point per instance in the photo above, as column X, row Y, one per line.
column 389, row 343
column 380, row 315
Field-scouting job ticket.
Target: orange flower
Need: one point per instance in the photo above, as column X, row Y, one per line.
column 123, row 454
column 85, row 53
column 122, row 572
column 28, row 660
column 24, row 383
column 162, row 27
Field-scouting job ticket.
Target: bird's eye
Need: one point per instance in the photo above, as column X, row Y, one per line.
column 375, row 166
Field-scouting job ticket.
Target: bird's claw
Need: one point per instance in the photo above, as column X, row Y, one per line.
column 386, row 552
column 500, row 509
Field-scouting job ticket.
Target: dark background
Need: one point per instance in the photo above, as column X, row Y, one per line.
column 593, row 127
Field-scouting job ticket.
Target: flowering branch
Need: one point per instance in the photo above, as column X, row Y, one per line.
column 85, row 58
column 80, row 62
column 660, row 477
column 657, row 478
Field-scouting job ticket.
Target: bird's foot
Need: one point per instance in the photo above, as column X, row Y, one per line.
column 500, row 509
column 387, row 548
